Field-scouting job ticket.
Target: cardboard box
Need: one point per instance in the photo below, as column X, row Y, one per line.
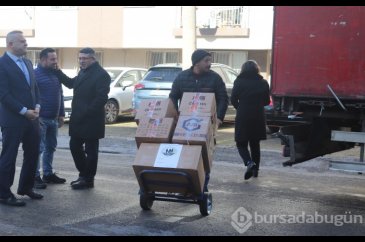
column 194, row 130
column 152, row 130
column 199, row 104
column 170, row 158
column 156, row 108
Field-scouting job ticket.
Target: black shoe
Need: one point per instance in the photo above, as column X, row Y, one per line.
column 251, row 166
column 12, row 201
column 53, row 178
column 32, row 194
column 39, row 184
column 77, row 180
column 82, row 184
column 255, row 173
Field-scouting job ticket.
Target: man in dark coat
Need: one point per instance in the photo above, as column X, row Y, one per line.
column 19, row 112
column 199, row 78
column 250, row 94
column 87, row 121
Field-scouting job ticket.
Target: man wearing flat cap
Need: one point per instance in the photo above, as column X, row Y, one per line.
column 199, row 78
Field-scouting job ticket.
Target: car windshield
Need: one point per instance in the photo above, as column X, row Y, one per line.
column 114, row 73
column 162, row 74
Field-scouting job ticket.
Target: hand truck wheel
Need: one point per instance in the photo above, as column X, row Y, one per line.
column 146, row 201
column 206, row 204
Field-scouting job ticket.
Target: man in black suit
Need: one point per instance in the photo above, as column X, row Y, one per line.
column 19, row 111
column 87, row 121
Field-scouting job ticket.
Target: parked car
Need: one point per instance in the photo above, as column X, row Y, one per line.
column 120, row 96
column 158, row 81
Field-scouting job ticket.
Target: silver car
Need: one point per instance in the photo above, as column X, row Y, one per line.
column 120, row 96
column 158, row 81
column 121, row 91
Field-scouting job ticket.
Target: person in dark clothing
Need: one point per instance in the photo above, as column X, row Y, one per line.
column 87, row 121
column 19, row 112
column 199, row 78
column 250, row 94
column 51, row 116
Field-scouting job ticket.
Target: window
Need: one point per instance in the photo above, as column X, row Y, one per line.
column 233, row 59
column 114, row 74
column 156, row 58
column 99, row 57
column 221, row 57
column 162, row 74
column 230, row 74
column 130, row 76
column 33, row 55
column 219, row 71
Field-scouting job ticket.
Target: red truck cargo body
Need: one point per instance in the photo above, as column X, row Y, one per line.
column 316, row 46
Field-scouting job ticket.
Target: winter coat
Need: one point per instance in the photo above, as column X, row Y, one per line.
column 250, row 94
column 91, row 88
column 50, row 89
column 211, row 82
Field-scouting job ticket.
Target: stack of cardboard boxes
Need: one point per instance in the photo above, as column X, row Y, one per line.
column 186, row 145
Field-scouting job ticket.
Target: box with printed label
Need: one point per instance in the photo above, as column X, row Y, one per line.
column 152, row 130
column 195, row 130
column 199, row 104
column 156, row 108
column 171, row 168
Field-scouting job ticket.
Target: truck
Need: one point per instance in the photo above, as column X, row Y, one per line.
column 317, row 78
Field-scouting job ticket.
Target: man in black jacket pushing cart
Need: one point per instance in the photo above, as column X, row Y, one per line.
column 199, row 78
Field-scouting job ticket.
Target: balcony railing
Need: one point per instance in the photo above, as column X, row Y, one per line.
column 223, row 21
column 222, row 16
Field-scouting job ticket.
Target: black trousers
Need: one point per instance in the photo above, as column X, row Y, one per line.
column 85, row 154
column 29, row 136
column 246, row 155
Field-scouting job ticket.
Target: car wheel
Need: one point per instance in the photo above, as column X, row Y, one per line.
column 111, row 111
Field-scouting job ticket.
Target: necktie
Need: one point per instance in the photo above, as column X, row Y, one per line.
column 24, row 69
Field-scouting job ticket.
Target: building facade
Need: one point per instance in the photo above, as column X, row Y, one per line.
column 142, row 36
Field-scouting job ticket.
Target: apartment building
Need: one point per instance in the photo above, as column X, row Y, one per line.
column 141, row 36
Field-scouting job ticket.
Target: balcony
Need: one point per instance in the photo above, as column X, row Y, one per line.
column 219, row 21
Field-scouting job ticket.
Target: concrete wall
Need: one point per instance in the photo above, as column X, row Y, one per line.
column 150, row 25
column 155, row 25
column 67, row 59
column 100, row 26
column 123, row 57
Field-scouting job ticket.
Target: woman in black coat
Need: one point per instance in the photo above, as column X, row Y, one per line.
column 250, row 94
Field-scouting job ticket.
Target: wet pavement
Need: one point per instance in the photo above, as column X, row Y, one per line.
column 305, row 199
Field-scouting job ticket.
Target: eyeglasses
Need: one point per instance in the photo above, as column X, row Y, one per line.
column 85, row 58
